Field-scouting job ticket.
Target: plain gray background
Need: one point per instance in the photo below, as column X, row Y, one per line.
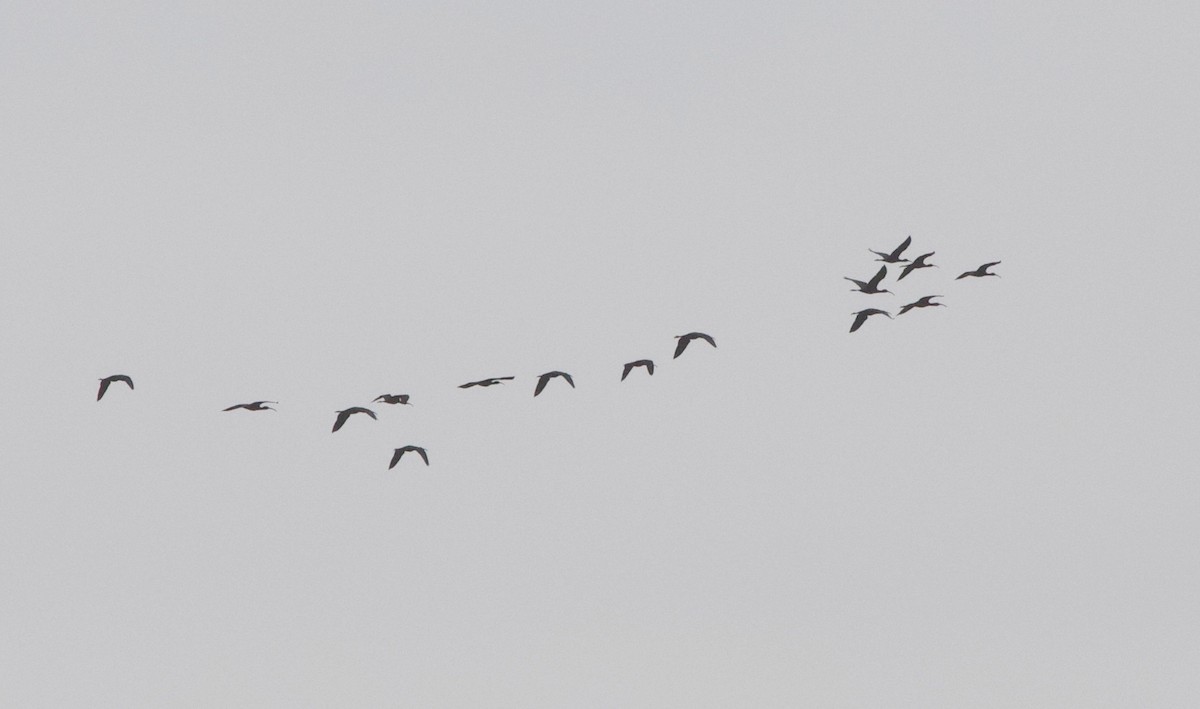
column 992, row 504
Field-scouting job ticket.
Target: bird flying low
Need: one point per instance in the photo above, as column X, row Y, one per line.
column 485, row 382
column 872, row 286
column 685, row 339
column 541, row 383
column 399, row 453
column 864, row 314
column 347, row 413
column 926, row 302
column 649, row 365
column 893, row 257
column 109, row 380
column 981, row 271
column 394, row 399
column 919, row 262
column 253, row 406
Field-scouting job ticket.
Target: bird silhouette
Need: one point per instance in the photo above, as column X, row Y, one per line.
column 926, row 302
column 399, row 453
column 981, row 271
column 918, row 262
column 541, row 383
column 394, row 399
column 649, row 365
column 685, row 339
column 893, row 257
column 253, row 406
column 872, row 286
column 485, row 382
column 864, row 314
column 109, row 380
column 347, row 413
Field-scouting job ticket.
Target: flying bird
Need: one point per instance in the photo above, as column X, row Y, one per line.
column 872, row 286
column 981, row 271
column 399, row 453
column 253, row 406
column 109, row 380
column 541, row 384
column 919, row 262
column 926, row 302
column 649, row 365
column 347, row 413
column 864, row 314
column 394, row 399
column 485, row 382
column 893, row 257
column 685, row 339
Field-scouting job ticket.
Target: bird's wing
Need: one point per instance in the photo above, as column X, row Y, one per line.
column 874, row 282
column 964, row 275
column 396, row 456
column 907, row 270
column 541, row 384
column 341, row 419
column 404, row 398
column 235, row 406
column 505, row 379
column 903, row 245
column 650, row 367
column 468, row 385
column 860, row 284
column 380, row 397
column 707, row 338
column 986, row 266
column 625, row 372
column 103, row 388
column 569, row 379
column 681, row 346
column 421, row 452
column 129, row 381
column 858, row 321
column 907, row 308
column 369, row 412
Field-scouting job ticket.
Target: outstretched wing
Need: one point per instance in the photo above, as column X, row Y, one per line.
column 235, row 406
column 858, row 321
column 396, row 456
column 468, row 385
column 874, row 282
column 907, row 308
column 681, row 346
column 650, row 367
column 421, row 452
column 903, row 245
column 570, row 381
column 707, row 338
column 103, row 388
column 341, row 420
column 625, row 372
column 986, row 266
column 541, row 384
column 369, row 412
column 125, row 378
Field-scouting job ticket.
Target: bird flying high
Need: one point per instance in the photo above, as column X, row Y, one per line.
column 649, row 365
column 685, row 339
column 864, row 314
column 926, row 302
column 109, row 380
column 893, row 257
column 399, row 453
column 541, row 383
column 347, row 413
column 485, row 382
column 394, row 399
column 981, row 271
column 253, row 406
column 870, row 287
column 919, row 262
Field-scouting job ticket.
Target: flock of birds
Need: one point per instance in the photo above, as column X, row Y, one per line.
column 869, row 287
column 403, row 399
column 896, row 256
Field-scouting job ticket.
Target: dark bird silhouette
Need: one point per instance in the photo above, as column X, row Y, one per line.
column 485, row 382
column 872, row 286
column 893, row 257
column 926, row 302
column 394, row 399
column 685, row 339
column 981, row 271
column 864, row 314
column 541, row 384
column 347, row 413
column 253, row 406
column 649, row 365
column 109, row 380
column 399, row 453
column 919, row 262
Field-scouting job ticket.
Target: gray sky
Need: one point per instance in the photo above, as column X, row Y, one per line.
column 991, row 504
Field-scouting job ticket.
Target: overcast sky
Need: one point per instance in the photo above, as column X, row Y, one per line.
column 991, row 504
